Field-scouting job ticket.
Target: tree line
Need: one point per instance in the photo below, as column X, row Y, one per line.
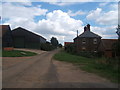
column 53, row 44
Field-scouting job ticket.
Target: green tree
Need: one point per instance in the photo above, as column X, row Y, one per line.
column 116, row 46
column 54, row 41
column 60, row 45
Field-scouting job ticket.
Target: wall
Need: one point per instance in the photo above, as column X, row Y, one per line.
column 89, row 46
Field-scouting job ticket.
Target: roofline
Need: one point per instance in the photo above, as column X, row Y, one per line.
column 30, row 32
column 109, row 39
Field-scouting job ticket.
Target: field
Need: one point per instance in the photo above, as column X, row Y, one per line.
column 100, row 66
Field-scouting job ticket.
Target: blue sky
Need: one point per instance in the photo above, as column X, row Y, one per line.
column 61, row 20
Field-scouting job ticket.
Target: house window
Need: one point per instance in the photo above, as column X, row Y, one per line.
column 83, row 41
column 94, row 41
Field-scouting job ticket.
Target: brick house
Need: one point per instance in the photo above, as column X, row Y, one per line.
column 87, row 41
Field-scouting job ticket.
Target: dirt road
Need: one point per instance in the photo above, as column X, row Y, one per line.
column 41, row 71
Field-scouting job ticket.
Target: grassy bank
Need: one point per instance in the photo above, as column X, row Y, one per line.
column 17, row 53
column 94, row 65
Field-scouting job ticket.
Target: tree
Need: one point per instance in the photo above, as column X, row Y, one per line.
column 54, row 41
column 60, row 45
column 116, row 46
column 118, row 31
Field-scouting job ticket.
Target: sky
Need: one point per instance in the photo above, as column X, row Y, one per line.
column 62, row 19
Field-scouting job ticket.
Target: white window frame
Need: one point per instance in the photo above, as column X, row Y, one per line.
column 83, row 41
column 95, row 41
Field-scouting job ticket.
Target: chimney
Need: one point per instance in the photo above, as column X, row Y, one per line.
column 88, row 27
column 85, row 28
column 77, row 33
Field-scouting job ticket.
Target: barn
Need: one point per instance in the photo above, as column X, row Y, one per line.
column 106, row 47
column 23, row 38
column 6, row 37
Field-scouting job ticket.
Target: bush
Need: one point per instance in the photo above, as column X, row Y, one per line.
column 70, row 48
column 90, row 54
column 47, row 47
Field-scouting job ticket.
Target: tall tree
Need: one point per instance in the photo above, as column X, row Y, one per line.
column 118, row 31
column 54, row 41
column 116, row 46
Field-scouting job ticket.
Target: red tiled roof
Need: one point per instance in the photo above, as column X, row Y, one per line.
column 66, row 43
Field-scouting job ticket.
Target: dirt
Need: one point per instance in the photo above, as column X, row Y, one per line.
column 41, row 71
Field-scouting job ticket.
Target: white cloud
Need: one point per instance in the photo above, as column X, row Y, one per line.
column 59, row 24
column 103, row 4
column 94, row 14
column 62, row 3
column 108, row 18
column 70, row 13
column 105, row 32
column 103, row 18
column 13, row 11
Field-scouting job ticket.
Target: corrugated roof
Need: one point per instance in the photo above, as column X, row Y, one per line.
column 20, row 28
column 88, row 34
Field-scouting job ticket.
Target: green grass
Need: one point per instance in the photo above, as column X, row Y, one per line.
column 93, row 65
column 17, row 53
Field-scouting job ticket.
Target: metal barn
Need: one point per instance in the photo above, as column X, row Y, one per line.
column 26, row 39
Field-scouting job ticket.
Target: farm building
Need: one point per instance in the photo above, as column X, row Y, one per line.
column 67, row 43
column 6, row 37
column 23, row 38
column 106, row 47
column 87, row 41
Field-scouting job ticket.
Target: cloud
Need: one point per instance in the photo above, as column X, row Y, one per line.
column 12, row 10
column 94, row 14
column 105, row 32
column 70, row 13
column 62, row 3
column 59, row 24
column 103, row 18
column 103, row 4
column 108, row 18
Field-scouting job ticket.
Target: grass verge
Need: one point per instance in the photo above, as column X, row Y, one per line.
column 92, row 65
column 17, row 53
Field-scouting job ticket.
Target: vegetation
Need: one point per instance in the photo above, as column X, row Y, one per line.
column 102, row 66
column 17, row 53
column 70, row 48
column 54, row 41
column 116, row 48
column 60, row 45
column 47, row 46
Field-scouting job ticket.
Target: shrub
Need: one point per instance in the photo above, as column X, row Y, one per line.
column 90, row 54
column 47, row 46
column 70, row 48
